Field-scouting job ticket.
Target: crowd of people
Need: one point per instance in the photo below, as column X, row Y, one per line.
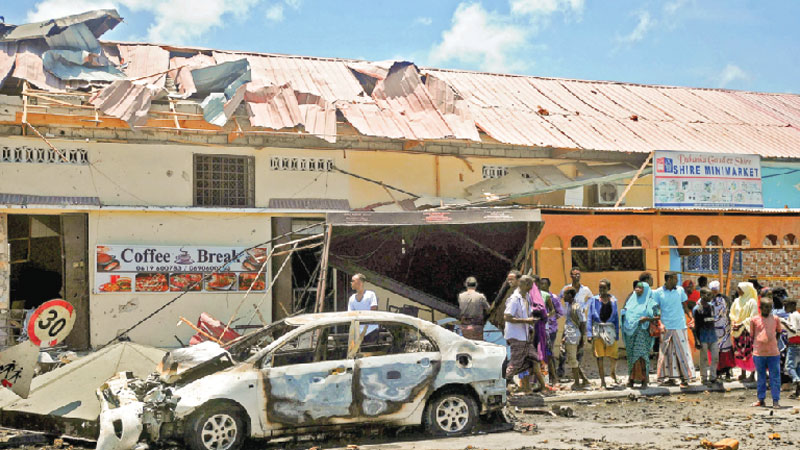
column 690, row 328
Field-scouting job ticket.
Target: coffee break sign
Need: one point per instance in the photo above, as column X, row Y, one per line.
column 707, row 180
column 156, row 268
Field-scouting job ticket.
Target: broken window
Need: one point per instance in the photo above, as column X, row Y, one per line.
column 327, row 343
column 224, row 180
column 393, row 339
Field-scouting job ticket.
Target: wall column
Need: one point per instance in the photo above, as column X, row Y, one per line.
column 5, row 279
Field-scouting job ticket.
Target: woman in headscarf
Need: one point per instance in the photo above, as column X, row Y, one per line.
column 743, row 309
column 639, row 311
column 539, row 335
column 722, row 324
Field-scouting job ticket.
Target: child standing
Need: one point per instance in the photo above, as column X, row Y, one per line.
column 765, row 329
column 705, row 336
column 574, row 332
column 793, row 351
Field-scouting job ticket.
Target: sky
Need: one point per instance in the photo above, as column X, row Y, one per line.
column 735, row 44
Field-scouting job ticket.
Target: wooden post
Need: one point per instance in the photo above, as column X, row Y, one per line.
column 720, row 255
column 633, row 180
column 438, row 182
column 730, row 271
column 323, row 270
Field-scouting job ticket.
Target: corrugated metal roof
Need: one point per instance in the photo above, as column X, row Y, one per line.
column 126, row 100
column 397, row 100
column 8, row 54
column 143, row 60
column 277, row 109
column 310, row 203
column 25, row 199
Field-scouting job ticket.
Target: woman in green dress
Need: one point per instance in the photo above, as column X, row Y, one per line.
column 640, row 310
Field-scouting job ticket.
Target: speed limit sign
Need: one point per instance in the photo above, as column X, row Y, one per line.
column 51, row 323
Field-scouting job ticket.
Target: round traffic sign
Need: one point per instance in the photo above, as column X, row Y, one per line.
column 51, row 323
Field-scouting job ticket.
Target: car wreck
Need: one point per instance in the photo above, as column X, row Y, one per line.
column 312, row 372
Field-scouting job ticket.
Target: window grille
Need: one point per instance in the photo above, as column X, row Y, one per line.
column 43, row 155
column 224, row 180
column 602, row 258
column 708, row 261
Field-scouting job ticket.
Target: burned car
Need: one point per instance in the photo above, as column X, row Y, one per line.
column 306, row 373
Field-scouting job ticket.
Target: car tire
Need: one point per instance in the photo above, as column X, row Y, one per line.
column 450, row 414
column 217, row 426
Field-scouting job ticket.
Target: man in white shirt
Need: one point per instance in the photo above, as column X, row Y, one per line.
column 363, row 300
column 582, row 293
column 519, row 335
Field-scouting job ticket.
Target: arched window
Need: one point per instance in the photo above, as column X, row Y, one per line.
column 692, row 241
column 714, row 242
column 790, row 239
column 631, row 241
column 741, row 241
column 602, row 242
column 579, row 242
column 770, row 240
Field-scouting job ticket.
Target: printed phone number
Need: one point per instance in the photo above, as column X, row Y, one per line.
column 180, row 269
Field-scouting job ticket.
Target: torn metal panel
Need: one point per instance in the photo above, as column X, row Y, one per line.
column 525, row 181
column 328, row 78
column 453, row 107
column 182, row 71
column 74, row 37
column 79, row 65
column 127, row 100
column 8, row 52
column 273, row 107
column 371, row 120
column 222, row 76
column 121, row 413
column 218, row 109
column 140, row 60
column 98, row 22
column 28, row 66
column 402, row 92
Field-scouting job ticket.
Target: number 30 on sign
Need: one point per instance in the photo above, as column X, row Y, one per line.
column 51, row 323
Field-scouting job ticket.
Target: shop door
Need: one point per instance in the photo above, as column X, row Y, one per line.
column 75, row 252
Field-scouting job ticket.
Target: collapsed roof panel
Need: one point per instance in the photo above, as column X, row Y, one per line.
column 181, row 71
column 28, row 66
column 97, row 21
column 8, row 54
column 426, row 256
column 140, row 61
column 278, row 108
column 127, row 100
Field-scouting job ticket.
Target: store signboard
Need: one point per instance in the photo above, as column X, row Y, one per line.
column 159, row 268
column 707, row 180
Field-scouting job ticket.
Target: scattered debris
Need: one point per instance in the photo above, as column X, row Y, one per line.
column 774, row 437
column 563, row 411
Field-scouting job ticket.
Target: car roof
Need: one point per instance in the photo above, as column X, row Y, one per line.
column 335, row 317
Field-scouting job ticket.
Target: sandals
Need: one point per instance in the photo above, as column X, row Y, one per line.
column 759, row 404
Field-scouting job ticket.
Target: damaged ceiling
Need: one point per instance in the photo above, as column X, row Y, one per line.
column 390, row 99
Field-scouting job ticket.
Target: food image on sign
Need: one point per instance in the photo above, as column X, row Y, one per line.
column 252, row 281
column 106, row 262
column 255, row 259
column 151, row 282
column 185, row 282
column 223, row 281
column 117, row 284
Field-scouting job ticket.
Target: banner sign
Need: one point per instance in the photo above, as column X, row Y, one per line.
column 706, row 179
column 439, row 217
column 157, row 268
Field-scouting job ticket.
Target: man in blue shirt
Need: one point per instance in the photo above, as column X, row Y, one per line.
column 674, row 354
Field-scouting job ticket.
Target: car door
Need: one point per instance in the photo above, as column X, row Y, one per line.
column 395, row 367
column 308, row 381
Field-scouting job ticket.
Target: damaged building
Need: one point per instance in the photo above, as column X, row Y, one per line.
column 128, row 170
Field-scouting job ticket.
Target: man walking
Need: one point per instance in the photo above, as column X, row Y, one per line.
column 674, row 356
column 582, row 296
column 519, row 335
column 473, row 309
column 363, row 300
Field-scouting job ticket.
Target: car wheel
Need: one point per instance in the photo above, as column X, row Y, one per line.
column 216, row 427
column 451, row 414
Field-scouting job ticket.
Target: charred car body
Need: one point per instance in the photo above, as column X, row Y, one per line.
column 324, row 371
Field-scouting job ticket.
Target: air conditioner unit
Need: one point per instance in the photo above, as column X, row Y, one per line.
column 608, row 194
